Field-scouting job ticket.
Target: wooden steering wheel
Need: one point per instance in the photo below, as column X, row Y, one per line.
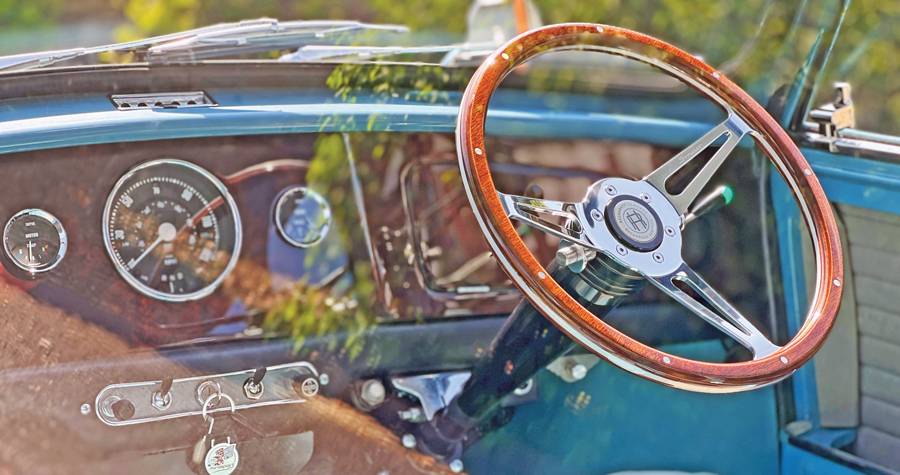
column 636, row 223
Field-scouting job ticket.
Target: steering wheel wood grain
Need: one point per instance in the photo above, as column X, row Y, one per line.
column 636, row 223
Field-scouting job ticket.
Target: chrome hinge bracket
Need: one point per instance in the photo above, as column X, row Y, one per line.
column 835, row 116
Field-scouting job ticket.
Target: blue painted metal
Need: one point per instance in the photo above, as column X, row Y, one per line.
column 612, row 421
column 857, row 181
column 796, row 461
column 92, row 119
column 790, row 235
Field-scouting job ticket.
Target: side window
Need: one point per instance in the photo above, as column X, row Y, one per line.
column 865, row 56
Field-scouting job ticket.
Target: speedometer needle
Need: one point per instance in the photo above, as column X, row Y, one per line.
column 166, row 233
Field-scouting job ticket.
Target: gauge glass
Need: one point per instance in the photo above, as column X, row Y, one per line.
column 302, row 216
column 34, row 240
column 172, row 230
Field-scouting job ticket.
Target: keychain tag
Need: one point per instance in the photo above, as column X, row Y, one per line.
column 222, row 459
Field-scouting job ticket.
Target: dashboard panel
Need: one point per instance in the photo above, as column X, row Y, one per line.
column 312, row 233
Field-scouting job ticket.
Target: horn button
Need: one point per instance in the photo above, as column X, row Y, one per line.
column 633, row 223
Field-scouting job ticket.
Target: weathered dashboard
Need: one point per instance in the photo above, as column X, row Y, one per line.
column 399, row 242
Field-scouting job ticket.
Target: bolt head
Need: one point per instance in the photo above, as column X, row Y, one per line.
column 670, row 231
column 610, row 190
column 621, row 249
column 373, row 392
column 596, row 214
column 658, row 257
column 456, row 466
column 646, row 197
column 85, row 409
column 409, row 441
column 578, row 371
column 324, row 379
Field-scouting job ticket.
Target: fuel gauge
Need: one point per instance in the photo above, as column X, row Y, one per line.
column 302, row 216
column 34, row 240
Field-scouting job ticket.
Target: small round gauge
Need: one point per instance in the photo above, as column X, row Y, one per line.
column 302, row 216
column 172, row 230
column 34, row 240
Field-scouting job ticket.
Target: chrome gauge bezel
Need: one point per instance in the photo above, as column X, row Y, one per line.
column 318, row 198
column 133, row 281
column 63, row 240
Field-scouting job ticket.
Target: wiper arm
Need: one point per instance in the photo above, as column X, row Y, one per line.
column 259, row 36
column 328, row 53
column 251, row 36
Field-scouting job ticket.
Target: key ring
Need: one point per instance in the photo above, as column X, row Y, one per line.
column 209, row 400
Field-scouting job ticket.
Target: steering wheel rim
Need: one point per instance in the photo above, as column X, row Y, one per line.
column 493, row 211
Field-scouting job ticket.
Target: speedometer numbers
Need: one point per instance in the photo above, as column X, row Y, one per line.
column 172, row 230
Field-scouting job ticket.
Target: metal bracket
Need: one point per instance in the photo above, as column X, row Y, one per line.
column 573, row 368
column 183, row 396
column 434, row 391
column 836, row 116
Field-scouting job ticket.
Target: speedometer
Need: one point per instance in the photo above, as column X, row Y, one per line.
column 172, row 230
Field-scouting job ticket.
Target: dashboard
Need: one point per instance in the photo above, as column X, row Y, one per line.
column 175, row 242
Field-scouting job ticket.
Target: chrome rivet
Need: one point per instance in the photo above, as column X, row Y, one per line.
column 600, row 29
column 85, row 409
column 716, row 75
column 577, row 371
column 666, row 360
column 456, row 466
column 670, row 231
column 595, row 213
column 610, row 190
column 621, row 249
column 837, row 282
column 324, row 379
column 505, row 56
column 478, row 151
column 784, row 359
column 807, row 171
column 525, row 388
column 646, row 197
column 409, row 441
column 658, row 257
column 542, row 275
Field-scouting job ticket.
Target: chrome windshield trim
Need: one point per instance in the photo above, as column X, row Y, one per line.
column 224, row 39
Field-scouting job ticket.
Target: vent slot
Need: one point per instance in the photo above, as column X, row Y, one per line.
column 168, row 100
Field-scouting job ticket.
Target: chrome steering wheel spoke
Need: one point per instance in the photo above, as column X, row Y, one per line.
column 534, row 212
column 726, row 318
column 733, row 128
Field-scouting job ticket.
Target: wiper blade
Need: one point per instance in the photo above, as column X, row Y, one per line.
column 259, row 36
column 251, row 36
column 453, row 54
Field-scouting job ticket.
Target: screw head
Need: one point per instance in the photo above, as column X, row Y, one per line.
column 658, row 257
column 578, row 371
column 610, row 190
column 646, row 197
column 621, row 249
column 456, row 466
column 670, row 231
column 596, row 214
column 409, row 441
column 324, row 379
column 309, row 387
column 85, row 409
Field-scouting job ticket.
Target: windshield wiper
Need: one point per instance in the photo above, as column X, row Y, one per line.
column 453, row 54
column 251, row 36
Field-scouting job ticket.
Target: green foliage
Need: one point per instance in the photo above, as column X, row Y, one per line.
column 25, row 14
column 345, row 305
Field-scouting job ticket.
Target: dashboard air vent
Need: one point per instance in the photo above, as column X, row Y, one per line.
column 158, row 100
